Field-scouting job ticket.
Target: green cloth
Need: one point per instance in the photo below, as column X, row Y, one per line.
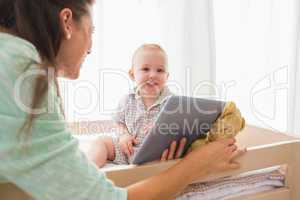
column 48, row 165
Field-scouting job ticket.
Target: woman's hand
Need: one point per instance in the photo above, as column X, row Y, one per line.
column 214, row 157
column 171, row 153
column 126, row 143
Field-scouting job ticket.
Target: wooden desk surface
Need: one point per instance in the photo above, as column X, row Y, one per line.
column 254, row 136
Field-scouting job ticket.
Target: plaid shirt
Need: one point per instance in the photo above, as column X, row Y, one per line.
column 137, row 118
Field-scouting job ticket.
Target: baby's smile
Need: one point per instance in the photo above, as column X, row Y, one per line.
column 151, row 83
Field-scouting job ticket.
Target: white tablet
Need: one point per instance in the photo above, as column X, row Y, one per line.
column 180, row 117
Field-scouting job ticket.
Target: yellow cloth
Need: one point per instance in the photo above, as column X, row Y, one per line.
column 228, row 125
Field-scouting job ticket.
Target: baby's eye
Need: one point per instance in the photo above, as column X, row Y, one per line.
column 160, row 70
column 145, row 69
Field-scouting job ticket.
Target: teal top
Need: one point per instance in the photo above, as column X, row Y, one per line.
column 47, row 164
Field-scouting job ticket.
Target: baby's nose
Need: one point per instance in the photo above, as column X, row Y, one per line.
column 153, row 73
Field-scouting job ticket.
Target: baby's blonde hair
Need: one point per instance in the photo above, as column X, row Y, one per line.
column 150, row 47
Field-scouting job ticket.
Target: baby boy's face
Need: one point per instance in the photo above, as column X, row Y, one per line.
column 150, row 72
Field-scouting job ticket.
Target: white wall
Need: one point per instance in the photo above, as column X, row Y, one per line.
column 253, row 54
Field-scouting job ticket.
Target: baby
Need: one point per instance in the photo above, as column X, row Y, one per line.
column 138, row 110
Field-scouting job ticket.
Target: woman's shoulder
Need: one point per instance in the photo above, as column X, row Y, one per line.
column 19, row 58
column 14, row 49
column 19, row 68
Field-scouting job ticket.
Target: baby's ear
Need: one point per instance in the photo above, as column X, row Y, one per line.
column 131, row 74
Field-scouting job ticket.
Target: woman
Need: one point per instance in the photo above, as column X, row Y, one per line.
column 40, row 40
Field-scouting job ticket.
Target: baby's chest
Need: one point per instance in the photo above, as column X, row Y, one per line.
column 137, row 120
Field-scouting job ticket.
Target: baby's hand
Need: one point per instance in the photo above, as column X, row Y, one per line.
column 126, row 143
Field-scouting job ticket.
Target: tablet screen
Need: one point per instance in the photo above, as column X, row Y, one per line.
column 180, row 117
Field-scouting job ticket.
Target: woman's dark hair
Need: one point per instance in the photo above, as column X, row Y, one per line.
column 38, row 22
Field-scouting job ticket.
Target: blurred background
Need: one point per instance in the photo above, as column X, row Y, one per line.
column 246, row 51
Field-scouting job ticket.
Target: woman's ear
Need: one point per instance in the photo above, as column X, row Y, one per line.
column 131, row 74
column 66, row 21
